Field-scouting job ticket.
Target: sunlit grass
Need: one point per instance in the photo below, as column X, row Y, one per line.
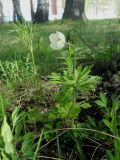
column 96, row 34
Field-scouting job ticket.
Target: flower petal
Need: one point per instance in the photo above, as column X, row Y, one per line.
column 54, row 46
column 57, row 40
column 60, row 44
column 61, row 36
column 53, row 37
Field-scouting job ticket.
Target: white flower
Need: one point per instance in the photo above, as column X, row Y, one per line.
column 57, row 40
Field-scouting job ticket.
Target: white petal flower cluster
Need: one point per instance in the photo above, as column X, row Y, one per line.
column 57, row 40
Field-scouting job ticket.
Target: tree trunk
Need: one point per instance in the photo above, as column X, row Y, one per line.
column 17, row 11
column 42, row 12
column 1, row 12
column 74, row 9
column 32, row 10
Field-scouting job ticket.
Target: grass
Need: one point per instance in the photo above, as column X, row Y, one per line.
column 44, row 55
column 97, row 36
column 33, row 105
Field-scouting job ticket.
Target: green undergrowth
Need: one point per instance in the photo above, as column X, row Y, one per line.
column 51, row 104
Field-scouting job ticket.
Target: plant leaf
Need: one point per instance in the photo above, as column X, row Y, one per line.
column 6, row 131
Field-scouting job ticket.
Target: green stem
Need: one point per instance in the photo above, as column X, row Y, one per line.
column 74, row 68
column 33, row 62
column 38, row 145
column 58, row 145
column 32, row 56
column 13, row 158
column 74, row 63
column 2, row 105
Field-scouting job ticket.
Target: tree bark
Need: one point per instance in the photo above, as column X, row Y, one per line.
column 74, row 9
column 42, row 12
column 17, row 14
column 1, row 12
column 32, row 10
